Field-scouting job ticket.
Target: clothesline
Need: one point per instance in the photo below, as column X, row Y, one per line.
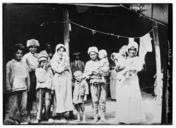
column 105, row 33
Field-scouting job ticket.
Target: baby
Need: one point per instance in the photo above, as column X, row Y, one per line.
column 103, row 63
column 80, row 93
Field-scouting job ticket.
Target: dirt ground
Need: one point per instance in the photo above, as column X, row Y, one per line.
column 151, row 107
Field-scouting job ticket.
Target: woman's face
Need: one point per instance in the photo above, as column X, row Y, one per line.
column 33, row 49
column 60, row 51
column 93, row 56
column 132, row 52
column 19, row 54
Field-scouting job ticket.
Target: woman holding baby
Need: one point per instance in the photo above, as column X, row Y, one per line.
column 128, row 96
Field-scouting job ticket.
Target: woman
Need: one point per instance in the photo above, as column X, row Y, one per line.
column 129, row 103
column 62, row 81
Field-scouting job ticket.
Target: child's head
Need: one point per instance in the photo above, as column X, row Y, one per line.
column 43, row 58
column 18, row 52
column 33, row 45
column 102, row 54
column 93, row 53
column 123, row 50
column 78, row 75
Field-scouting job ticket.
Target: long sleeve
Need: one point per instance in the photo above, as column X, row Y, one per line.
column 88, row 70
column 41, row 75
column 8, row 77
column 105, row 67
column 51, row 76
column 28, row 81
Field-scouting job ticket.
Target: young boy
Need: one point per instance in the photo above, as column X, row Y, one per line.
column 80, row 92
column 97, row 84
column 44, row 87
column 17, row 85
column 32, row 62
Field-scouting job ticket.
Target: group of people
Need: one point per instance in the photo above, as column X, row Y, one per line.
column 58, row 86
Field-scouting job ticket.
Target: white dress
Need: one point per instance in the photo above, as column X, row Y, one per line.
column 62, row 82
column 129, row 102
column 113, row 81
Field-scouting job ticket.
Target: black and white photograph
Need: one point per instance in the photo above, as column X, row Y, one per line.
column 87, row 63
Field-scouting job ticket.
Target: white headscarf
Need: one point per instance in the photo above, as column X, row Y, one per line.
column 56, row 56
column 133, row 44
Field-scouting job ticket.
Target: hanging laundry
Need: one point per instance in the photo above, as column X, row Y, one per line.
column 145, row 45
column 131, row 40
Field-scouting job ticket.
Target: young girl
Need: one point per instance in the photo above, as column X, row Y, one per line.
column 81, row 90
column 44, row 87
column 17, row 85
column 62, row 82
column 31, row 61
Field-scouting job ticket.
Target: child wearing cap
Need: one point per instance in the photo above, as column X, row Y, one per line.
column 32, row 62
column 97, row 84
column 17, row 85
column 80, row 92
column 44, row 87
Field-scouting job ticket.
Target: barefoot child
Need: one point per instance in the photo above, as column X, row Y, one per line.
column 93, row 72
column 80, row 93
column 17, row 85
column 44, row 87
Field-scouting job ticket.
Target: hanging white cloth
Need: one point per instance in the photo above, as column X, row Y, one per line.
column 145, row 45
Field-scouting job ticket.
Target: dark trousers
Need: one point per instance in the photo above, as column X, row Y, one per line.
column 16, row 106
column 32, row 91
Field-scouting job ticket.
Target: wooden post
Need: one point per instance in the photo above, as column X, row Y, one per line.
column 66, row 31
column 159, row 75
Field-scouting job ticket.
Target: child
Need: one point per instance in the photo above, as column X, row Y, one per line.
column 17, row 85
column 104, row 63
column 97, row 85
column 32, row 62
column 44, row 87
column 80, row 93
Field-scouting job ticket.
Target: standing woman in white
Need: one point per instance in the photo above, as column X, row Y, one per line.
column 62, row 81
column 129, row 103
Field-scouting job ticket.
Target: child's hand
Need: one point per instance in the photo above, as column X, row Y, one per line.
column 85, row 98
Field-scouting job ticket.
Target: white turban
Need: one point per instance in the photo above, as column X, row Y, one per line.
column 33, row 42
column 92, row 49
